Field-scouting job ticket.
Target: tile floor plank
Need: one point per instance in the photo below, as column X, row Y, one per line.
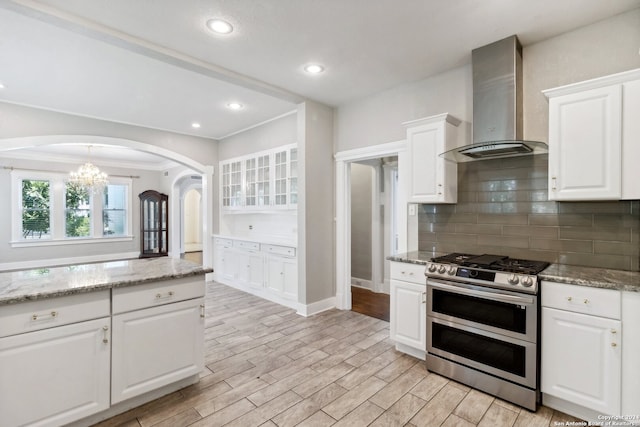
column 268, row 366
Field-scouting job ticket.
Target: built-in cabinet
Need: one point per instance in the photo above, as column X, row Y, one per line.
column 431, row 178
column 264, row 269
column 67, row 358
column 266, row 180
column 581, row 350
column 408, row 311
column 593, row 139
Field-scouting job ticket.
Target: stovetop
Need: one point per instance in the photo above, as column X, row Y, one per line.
column 493, row 262
column 497, row 271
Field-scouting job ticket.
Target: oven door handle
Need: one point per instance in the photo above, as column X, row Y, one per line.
column 494, row 296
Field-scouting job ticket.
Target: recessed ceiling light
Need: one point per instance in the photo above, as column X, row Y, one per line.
column 1, row 85
column 195, row 125
column 219, row 26
column 314, row 68
column 235, row 106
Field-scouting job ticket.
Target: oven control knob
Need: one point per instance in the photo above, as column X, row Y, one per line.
column 527, row 281
column 451, row 271
column 513, row 279
column 431, row 268
column 442, row 269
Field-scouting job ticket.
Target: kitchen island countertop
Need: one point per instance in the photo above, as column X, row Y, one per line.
column 39, row 283
column 576, row 275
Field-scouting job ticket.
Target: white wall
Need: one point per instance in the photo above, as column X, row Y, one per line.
column 192, row 218
column 606, row 47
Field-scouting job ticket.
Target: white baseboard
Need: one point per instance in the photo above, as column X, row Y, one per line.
column 418, row 354
column 56, row 262
column 361, row 283
column 307, row 310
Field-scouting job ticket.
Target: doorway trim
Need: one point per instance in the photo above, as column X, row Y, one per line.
column 343, row 160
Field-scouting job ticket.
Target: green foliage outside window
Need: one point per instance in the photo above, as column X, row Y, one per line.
column 78, row 211
column 36, row 214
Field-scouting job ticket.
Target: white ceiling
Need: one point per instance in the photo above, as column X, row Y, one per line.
column 153, row 63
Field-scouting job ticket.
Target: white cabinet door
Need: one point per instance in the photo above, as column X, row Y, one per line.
column 55, row 376
column 431, row 178
column 585, row 145
column 231, row 185
column 408, row 316
column 630, row 352
column 581, row 359
column 283, row 276
column 630, row 140
column 155, row 347
column 250, row 268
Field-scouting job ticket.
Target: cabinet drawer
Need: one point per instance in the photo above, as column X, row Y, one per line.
column 280, row 250
column 48, row 313
column 219, row 241
column 408, row 272
column 157, row 293
column 253, row 246
column 581, row 299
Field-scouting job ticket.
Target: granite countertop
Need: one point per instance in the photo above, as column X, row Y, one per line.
column 561, row 273
column 28, row 285
column 593, row 277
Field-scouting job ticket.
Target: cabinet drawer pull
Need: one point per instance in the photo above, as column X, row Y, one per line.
column 168, row 295
column 53, row 315
column 569, row 299
column 105, row 330
column 614, row 344
column 424, row 297
column 586, row 301
column 202, row 311
column 613, row 331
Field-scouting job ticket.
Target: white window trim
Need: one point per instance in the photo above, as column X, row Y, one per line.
column 57, row 207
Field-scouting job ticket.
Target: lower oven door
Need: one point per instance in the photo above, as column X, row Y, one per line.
column 503, row 312
column 504, row 357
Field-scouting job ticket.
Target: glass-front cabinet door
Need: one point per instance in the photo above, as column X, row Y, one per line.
column 154, row 224
column 280, row 178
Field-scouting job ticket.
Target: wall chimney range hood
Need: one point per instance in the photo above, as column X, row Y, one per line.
column 497, row 105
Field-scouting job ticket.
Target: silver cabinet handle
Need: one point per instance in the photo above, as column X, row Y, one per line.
column 586, row 301
column 202, row 311
column 613, row 331
column 553, row 183
column 52, row 315
column 105, row 330
column 569, row 299
column 168, row 295
column 614, row 344
column 424, row 297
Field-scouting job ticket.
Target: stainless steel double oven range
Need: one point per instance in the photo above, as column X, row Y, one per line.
column 483, row 324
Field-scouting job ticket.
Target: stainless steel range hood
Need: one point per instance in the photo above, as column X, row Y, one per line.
column 497, row 105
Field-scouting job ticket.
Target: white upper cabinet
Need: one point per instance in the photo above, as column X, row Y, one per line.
column 593, row 139
column 431, row 178
column 261, row 181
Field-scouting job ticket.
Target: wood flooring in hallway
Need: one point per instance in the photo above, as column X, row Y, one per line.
column 370, row 303
column 268, row 366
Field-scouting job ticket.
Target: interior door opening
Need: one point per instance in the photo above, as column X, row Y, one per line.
column 373, row 233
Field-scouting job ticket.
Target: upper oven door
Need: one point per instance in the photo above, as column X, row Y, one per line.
column 502, row 312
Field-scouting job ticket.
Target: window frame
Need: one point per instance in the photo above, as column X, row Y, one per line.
column 57, row 188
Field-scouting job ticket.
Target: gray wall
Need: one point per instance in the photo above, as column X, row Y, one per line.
column 361, row 187
column 149, row 180
column 599, row 49
column 272, row 134
column 503, row 209
column 19, row 121
column 316, row 231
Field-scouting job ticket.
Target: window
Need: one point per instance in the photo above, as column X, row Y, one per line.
column 48, row 210
column 35, row 211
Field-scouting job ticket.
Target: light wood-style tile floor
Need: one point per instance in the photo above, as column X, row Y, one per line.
column 268, row 366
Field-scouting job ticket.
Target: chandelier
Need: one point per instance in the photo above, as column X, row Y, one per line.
column 89, row 176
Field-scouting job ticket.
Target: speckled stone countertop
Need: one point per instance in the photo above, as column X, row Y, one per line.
column 39, row 283
column 572, row 274
column 415, row 257
column 593, row 277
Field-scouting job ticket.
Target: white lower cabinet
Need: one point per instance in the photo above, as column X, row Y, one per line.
column 156, row 346
column 266, row 270
column 55, row 376
column 581, row 362
column 283, row 276
column 408, row 311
